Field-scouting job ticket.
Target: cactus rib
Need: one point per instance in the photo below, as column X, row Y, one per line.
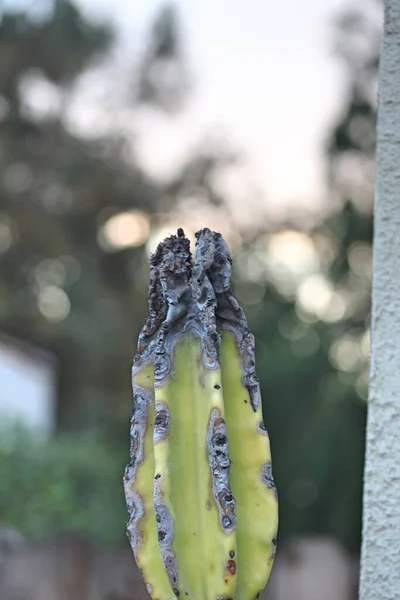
column 192, row 480
column 251, row 474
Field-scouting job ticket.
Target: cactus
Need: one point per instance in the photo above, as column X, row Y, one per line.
column 201, row 499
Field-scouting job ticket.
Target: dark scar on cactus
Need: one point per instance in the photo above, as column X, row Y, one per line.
column 134, row 502
column 219, row 462
column 165, row 532
column 273, row 551
column 231, row 567
column 214, row 256
column 161, row 422
column 267, row 478
column 262, row 429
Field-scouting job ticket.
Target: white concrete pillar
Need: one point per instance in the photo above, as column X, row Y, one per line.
column 380, row 563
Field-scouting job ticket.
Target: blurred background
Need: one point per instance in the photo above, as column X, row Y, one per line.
column 121, row 120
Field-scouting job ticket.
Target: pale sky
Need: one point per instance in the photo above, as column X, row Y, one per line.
column 263, row 73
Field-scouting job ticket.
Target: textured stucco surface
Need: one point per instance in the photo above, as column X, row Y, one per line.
column 380, row 570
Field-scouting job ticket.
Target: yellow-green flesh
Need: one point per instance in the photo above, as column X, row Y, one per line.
column 256, row 503
column 201, row 547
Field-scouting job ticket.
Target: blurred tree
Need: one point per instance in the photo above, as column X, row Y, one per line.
column 75, row 212
column 162, row 77
column 67, row 283
column 65, row 483
column 308, row 304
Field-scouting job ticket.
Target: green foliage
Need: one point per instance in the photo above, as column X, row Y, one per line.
column 63, row 484
column 313, row 365
column 312, row 371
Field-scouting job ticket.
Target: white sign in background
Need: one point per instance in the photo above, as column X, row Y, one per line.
column 27, row 385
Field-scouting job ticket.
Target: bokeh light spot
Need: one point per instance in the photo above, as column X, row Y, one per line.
column 124, row 230
column 53, row 303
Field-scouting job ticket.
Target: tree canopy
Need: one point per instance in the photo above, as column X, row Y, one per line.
column 65, row 285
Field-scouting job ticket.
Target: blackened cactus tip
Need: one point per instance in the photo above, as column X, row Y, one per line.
column 202, row 232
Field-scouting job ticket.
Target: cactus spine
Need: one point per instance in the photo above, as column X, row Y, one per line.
column 201, row 499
